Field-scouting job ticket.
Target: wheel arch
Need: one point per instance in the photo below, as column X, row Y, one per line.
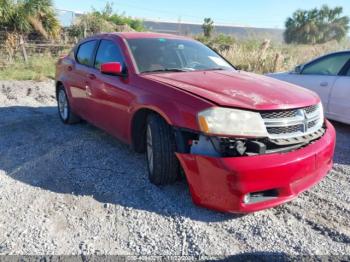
column 138, row 126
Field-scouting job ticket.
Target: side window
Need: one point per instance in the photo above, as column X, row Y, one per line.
column 108, row 52
column 330, row 65
column 348, row 72
column 85, row 53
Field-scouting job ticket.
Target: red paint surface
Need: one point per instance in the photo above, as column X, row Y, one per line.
column 111, row 68
column 111, row 102
column 221, row 183
column 240, row 89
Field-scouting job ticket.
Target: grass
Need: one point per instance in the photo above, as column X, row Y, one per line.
column 38, row 68
column 250, row 55
column 263, row 57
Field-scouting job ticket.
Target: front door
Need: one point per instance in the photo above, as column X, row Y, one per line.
column 321, row 74
column 110, row 94
column 339, row 105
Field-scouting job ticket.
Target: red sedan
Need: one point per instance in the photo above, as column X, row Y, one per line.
column 245, row 142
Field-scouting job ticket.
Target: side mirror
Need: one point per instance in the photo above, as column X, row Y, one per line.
column 298, row 69
column 111, row 68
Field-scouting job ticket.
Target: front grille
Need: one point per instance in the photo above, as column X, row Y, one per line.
column 311, row 109
column 279, row 114
column 284, row 129
column 284, row 124
column 312, row 124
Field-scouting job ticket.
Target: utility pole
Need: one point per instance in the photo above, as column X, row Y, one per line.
column 179, row 26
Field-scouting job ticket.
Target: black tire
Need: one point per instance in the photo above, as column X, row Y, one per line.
column 164, row 166
column 67, row 117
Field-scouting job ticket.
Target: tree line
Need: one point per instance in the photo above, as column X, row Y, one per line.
column 39, row 16
column 313, row 26
column 316, row 26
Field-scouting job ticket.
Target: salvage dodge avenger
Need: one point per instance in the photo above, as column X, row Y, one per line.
column 244, row 142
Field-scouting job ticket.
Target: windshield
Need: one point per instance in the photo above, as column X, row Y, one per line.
column 177, row 55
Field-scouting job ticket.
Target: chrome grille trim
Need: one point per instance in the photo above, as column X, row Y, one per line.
column 293, row 123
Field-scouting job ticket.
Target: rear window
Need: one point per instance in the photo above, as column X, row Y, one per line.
column 85, row 53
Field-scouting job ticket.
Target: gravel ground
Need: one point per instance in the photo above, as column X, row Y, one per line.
column 77, row 190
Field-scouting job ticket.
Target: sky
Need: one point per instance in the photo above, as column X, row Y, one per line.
column 256, row 13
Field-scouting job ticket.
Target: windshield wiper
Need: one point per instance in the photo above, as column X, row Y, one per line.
column 166, row 70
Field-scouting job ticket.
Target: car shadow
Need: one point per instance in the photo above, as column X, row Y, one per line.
column 37, row 149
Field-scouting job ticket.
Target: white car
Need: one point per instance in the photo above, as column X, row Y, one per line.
column 329, row 77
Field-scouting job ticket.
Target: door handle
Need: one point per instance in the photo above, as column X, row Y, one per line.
column 324, row 84
column 91, row 76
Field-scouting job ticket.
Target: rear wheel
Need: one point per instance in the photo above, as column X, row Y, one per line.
column 162, row 163
column 64, row 109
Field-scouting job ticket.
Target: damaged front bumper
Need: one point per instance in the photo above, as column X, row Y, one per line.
column 244, row 184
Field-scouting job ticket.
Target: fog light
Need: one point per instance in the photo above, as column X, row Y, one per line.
column 255, row 197
column 246, row 199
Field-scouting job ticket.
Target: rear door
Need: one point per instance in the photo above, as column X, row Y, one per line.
column 80, row 84
column 111, row 95
column 339, row 102
column 320, row 75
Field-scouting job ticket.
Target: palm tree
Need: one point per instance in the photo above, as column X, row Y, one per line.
column 25, row 16
column 208, row 27
column 5, row 7
column 335, row 26
column 316, row 26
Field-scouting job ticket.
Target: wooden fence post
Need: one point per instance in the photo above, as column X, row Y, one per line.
column 24, row 52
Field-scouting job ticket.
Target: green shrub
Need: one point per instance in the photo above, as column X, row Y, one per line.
column 219, row 42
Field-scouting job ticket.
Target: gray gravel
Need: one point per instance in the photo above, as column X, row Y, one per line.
column 77, row 190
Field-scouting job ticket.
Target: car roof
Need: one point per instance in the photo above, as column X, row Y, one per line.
column 135, row 35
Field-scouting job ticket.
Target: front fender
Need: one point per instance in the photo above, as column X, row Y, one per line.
column 174, row 112
column 169, row 110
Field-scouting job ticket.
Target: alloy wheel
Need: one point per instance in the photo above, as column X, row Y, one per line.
column 63, row 104
column 149, row 149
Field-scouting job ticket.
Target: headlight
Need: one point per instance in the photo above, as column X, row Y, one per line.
column 232, row 122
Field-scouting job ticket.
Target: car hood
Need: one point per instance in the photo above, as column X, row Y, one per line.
column 239, row 89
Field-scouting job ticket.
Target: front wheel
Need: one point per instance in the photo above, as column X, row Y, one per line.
column 64, row 109
column 162, row 163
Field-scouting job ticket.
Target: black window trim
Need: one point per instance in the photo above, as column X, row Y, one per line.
column 341, row 71
column 93, row 55
column 345, row 69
